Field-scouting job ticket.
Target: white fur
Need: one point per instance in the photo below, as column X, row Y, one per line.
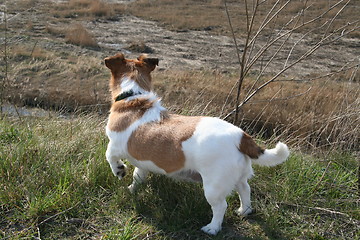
column 117, row 147
column 212, row 151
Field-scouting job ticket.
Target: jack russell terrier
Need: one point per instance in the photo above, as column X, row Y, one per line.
column 196, row 148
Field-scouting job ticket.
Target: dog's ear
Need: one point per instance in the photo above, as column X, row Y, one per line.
column 151, row 63
column 114, row 62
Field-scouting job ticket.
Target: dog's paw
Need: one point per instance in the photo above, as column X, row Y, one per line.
column 244, row 211
column 132, row 188
column 210, row 229
column 120, row 171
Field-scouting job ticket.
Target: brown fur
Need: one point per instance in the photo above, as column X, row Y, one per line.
column 123, row 113
column 137, row 69
column 161, row 142
column 249, row 147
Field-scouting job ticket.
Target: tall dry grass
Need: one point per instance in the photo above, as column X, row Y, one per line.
column 79, row 35
column 317, row 113
column 313, row 114
column 210, row 15
column 86, row 9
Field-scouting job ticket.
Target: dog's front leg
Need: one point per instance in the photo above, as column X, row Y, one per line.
column 139, row 176
column 117, row 166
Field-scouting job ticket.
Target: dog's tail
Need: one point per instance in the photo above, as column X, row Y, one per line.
column 263, row 157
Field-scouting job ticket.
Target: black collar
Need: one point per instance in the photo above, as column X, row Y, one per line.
column 126, row 94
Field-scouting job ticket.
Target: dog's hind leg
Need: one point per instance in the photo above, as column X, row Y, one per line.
column 117, row 166
column 216, row 197
column 139, row 176
column 215, row 193
column 243, row 189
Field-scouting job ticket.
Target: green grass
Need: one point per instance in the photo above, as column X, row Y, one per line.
column 56, row 184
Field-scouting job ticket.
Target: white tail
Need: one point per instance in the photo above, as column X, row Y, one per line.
column 273, row 157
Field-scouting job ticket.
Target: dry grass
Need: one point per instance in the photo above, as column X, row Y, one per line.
column 326, row 114
column 78, row 35
column 139, row 47
column 56, row 31
column 210, row 15
column 86, row 9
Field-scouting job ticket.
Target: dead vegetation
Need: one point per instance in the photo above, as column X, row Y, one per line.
column 85, row 9
column 316, row 111
column 79, row 35
column 210, row 15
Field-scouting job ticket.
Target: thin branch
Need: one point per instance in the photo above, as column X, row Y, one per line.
column 232, row 31
column 266, row 47
column 283, row 98
column 324, row 41
column 244, row 59
column 353, row 221
column 342, row 69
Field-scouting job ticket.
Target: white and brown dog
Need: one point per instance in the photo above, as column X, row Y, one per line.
column 197, row 148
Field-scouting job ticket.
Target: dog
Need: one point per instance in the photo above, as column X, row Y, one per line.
column 197, row 148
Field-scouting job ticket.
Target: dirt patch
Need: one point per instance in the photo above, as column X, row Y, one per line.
column 201, row 50
column 190, row 49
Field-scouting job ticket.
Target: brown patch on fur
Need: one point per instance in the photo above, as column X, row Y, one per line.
column 249, row 147
column 137, row 69
column 123, row 113
column 161, row 142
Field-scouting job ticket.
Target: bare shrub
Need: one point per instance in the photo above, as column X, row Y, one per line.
column 79, row 35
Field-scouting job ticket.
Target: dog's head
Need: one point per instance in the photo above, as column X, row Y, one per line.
column 136, row 69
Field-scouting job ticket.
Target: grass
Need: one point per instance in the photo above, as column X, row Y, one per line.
column 78, row 35
column 85, row 9
column 56, row 184
column 307, row 120
column 184, row 15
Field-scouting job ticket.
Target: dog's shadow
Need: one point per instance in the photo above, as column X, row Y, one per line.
column 179, row 209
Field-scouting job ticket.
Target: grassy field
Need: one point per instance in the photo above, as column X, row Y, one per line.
column 56, row 184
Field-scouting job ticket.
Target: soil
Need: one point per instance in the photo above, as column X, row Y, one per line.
column 202, row 50
column 187, row 49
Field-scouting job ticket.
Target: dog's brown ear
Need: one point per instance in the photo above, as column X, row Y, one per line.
column 114, row 62
column 151, row 63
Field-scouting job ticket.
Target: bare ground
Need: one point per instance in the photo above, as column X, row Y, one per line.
column 183, row 49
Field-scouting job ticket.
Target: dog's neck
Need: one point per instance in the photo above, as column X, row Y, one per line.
column 129, row 90
column 126, row 94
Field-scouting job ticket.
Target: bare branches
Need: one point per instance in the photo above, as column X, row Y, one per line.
column 283, row 49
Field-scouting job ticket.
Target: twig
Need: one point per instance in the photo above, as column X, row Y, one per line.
column 320, row 209
column 322, row 177
column 33, row 49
